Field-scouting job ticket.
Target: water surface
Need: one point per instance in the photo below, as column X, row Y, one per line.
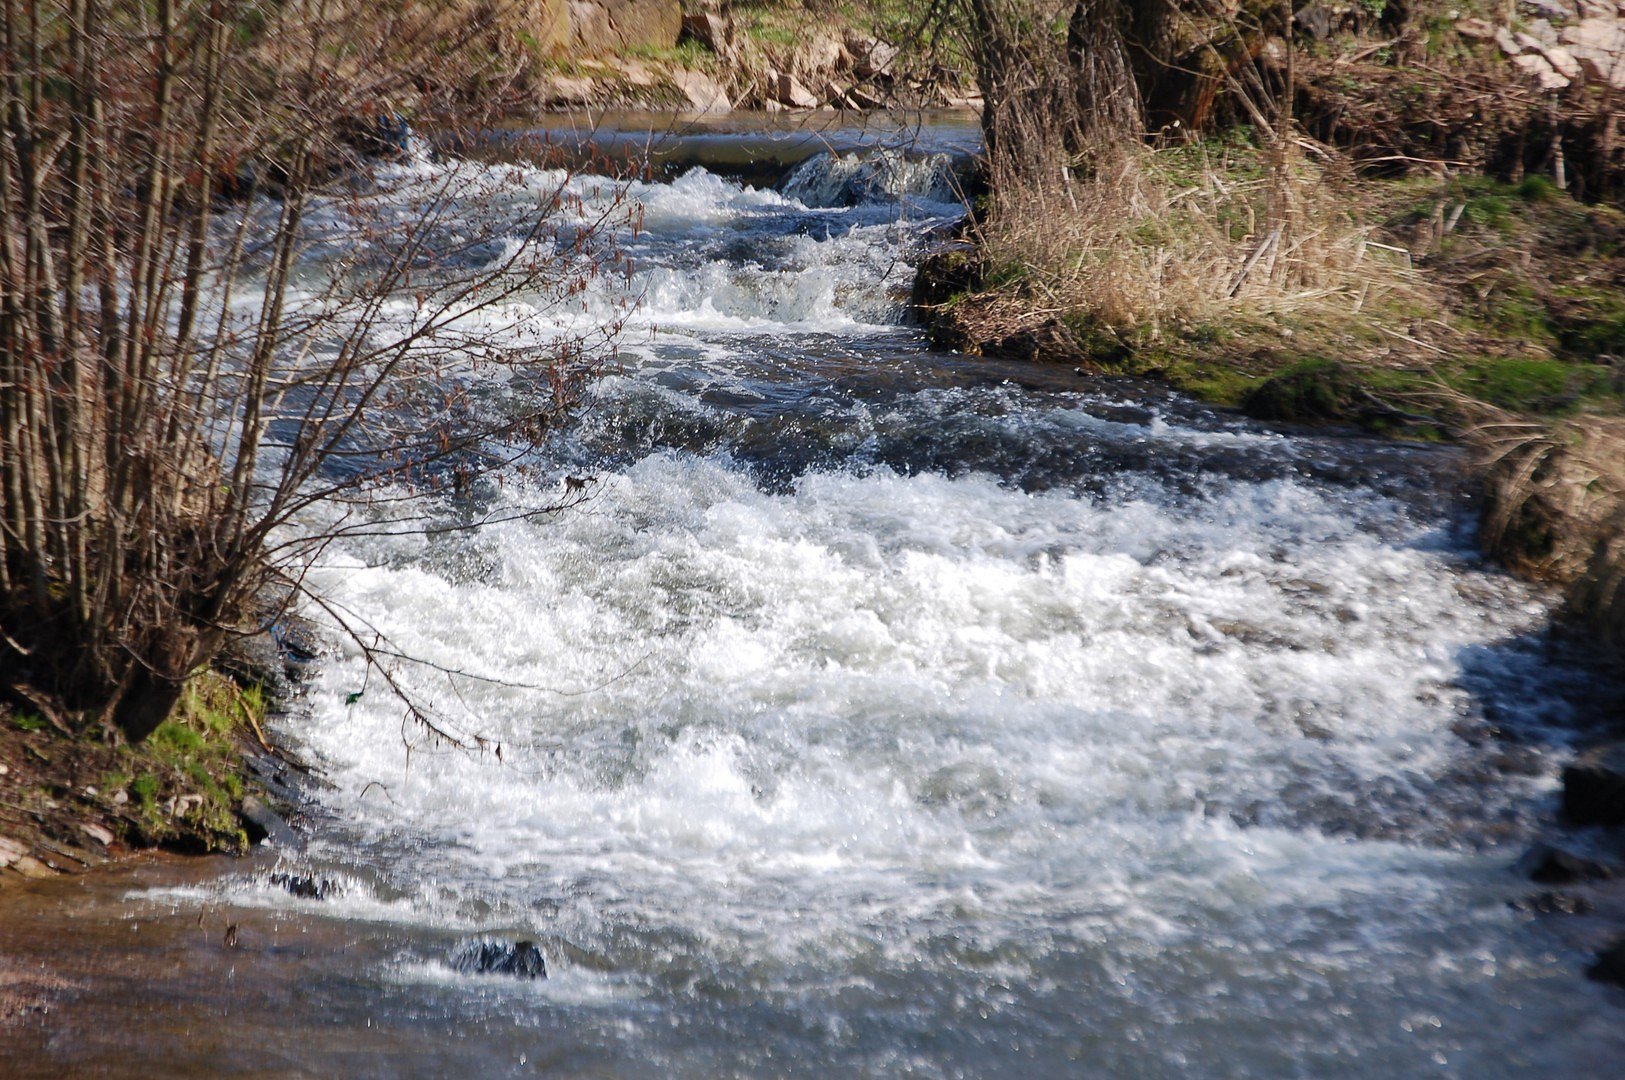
column 889, row 713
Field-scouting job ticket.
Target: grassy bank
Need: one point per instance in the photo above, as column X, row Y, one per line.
column 74, row 798
column 1280, row 282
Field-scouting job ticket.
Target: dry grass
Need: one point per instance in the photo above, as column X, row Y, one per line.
column 1150, row 243
column 1555, row 508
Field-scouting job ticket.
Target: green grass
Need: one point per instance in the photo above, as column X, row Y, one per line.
column 687, row 53
column 193, row 753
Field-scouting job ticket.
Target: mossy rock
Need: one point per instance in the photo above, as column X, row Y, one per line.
column 1315, row 392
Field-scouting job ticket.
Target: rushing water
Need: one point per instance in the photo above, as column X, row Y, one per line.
column 891, row 713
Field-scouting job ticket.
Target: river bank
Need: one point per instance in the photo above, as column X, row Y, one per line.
column 883, row 708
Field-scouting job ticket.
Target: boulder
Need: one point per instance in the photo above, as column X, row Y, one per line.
column 1610, row 965
column 704, row 93
column 589, row 27
column 261, row 823
column 1594, row 787
column 1508, row 43
column 817, row 59
column 786, row 89
column 1541, row 31
column 709, row 29
column 863, row 99
column 1598, row 45
column 1553, row 866
column 565, row 91
column 489, row 956
column 1541, row 70
column 1477, row 29
column 871, row 58
column 599, row 27
column 1562, row 60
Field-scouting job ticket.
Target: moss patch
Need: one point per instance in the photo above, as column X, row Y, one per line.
column 180, row 789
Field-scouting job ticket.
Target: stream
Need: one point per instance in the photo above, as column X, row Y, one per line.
column 882, row 712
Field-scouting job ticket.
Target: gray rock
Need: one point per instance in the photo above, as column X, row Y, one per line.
column 1554, row 903
column 709, row 29
column 1594, row 787
column 305, row 886
column 1553, row 866
column 490, row 956
column 1610, row 965
column 262, row 824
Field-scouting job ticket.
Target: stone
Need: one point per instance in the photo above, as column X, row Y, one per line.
column 562, row 91
column 306, row 887
column 1553, row 866
column 1562, row 60
column 787, row 90
column 1603, row 35
column 601, row 27
column 1477, row 29
column 262, row 824
column 819, row 58
column 1554, row 903
column 863, row 99
column 11, row 851
column 1594, row 787
column 1508, row 43
column 709, row 29
column 704, row 93
column 181, row 805
column 97, row 833
column 1541, row 70
column 487, row 956
column 1541, row 31
column 871, row 58
column 28, row 866
column 1610, row 965
column 1599, row 47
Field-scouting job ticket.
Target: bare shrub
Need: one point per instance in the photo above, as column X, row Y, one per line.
column 217, row 307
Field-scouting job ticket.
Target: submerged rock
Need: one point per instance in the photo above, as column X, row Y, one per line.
column 1554, row 903
column 486, row 956
column 1554, row 866
column 306, row 887
column 1610, row 965
column 1594, row 788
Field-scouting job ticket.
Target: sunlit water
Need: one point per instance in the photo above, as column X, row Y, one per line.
column 888, row 713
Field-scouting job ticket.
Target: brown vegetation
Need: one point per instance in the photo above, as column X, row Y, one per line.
column 1555, row 509
column 170, row 397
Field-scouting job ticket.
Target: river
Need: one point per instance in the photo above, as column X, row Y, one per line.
column 888, row 713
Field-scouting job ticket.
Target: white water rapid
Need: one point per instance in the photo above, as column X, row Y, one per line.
column 886, row 713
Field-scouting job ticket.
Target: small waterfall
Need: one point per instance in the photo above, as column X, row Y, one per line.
column 853, row 179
